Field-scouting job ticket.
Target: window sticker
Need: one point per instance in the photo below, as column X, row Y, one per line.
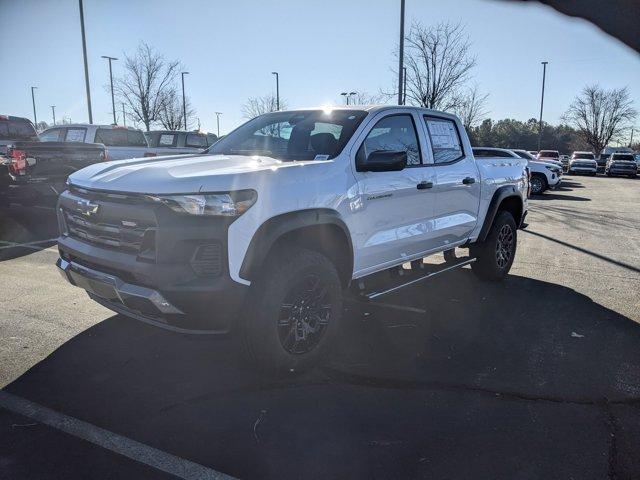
column 166, row 140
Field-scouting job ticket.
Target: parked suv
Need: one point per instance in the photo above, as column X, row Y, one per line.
column 621, row 164
column 583, row 162
column 266, row 230
column 543, row 175
column 551, row 156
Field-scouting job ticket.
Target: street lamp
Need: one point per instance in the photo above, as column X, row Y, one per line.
column 277, row 90
column 184, row 103
column 33, row 100
column 218, row 121
column 347, row 95
column 113, row 102
column 404, row 87
column 544, row 75
column 86, row 64
column 53, row 111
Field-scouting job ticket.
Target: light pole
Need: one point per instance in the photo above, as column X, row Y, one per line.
column 348, row 95
column 218, row 121
column 401, row 53
column 404, row 86
column 277, row 90
column 184, row 102
column 53, row 111
column 86, row 64
column 124, row 118
column 544, row 75
column 113, row 102
column 33, row 100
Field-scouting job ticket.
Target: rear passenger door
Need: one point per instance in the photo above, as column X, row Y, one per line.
column 393, row 214
column 457, row 189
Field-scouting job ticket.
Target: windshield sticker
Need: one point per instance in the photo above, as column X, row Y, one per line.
column 75, row 135
column 321, row 157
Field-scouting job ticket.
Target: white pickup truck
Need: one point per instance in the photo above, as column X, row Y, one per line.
column 270, row 227
column 120, row 142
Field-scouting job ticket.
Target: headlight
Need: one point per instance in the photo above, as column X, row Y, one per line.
column 231, row 204
column 553, row 169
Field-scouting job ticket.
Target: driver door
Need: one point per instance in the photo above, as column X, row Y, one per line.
column 394, row 220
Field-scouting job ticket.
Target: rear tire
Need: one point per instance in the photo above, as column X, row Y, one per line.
column 296, row 304
column 495, row 255
column 538, row 184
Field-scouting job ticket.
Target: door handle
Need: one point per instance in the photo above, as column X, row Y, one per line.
column 469, row 180
column 424, row 185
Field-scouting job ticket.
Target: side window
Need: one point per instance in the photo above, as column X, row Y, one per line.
column 75, row 135
column 195, row 140
column 445, row 139
column 394, row 133
column 52, row 135
column 167, row 140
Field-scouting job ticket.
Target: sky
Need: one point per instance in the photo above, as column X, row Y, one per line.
column 319, row 48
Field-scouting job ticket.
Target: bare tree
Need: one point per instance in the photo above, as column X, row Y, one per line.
column 171, row 114
column 259, row 105
column 471, row 107
column 147, row 81
column 439, row 63
column 600, row 115
column 364, row 98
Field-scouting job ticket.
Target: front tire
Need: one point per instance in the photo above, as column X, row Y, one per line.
column 538, row 184
column 495, row 255
column 296, row 304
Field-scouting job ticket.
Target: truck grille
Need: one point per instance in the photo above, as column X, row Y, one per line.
column 121, row 237
column 120, row 223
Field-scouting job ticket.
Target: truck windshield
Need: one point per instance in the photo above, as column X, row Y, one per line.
column 587, row 156
column 301, row 135
column 548, row 154
column 11, row 129
column 621, row 156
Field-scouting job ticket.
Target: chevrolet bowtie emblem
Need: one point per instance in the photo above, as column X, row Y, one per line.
column 86, row 208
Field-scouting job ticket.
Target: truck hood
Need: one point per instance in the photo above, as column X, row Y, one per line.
column 181, row 173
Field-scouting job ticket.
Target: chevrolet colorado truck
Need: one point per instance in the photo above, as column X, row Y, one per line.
column 279, row 219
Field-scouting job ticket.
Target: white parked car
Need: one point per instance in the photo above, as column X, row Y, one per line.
column 265, row 231
column 544, row 175
column 583, row 162
column 551, row 156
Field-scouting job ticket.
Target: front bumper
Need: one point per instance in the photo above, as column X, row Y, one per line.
column 622, row 170
column 146, row 262
column 582, row 169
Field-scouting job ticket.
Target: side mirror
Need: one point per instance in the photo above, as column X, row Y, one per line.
column 384, row 161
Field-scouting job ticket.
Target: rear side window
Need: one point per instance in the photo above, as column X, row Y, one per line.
column 394, row 133
column 16, row 130
column 75, row 135
column 167, row 140
column 115, row 137
column 53, row 135
column 445, row 139
column 195, row 140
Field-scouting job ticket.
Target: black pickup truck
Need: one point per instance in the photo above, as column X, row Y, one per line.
column 33, row 172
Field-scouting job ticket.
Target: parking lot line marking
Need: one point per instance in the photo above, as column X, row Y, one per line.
column 28, row 244
column 124, row 446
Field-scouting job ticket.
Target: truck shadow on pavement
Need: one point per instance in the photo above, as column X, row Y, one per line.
column 522, row 379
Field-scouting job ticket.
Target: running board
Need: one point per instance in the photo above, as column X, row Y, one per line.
column 445, row 267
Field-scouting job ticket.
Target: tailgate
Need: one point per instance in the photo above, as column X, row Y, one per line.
column 55, row 161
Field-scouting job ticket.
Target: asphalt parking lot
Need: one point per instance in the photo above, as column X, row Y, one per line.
column 536, row 377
